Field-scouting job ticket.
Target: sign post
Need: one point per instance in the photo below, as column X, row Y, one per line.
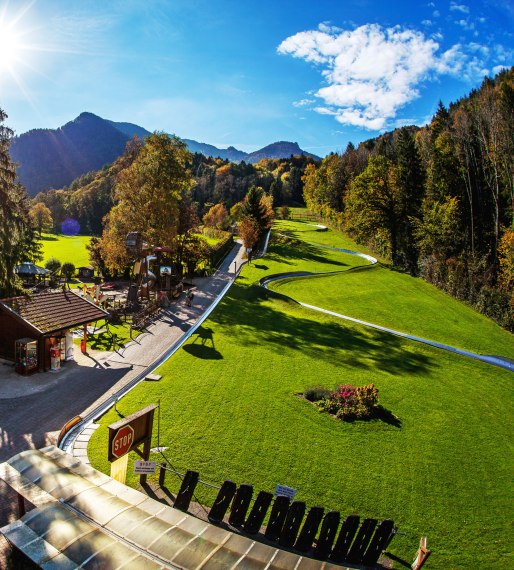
column 131, row 432
column 122, row 441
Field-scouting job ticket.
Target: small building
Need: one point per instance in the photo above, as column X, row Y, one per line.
column 29, row 272
column 47, row 320
column 86, row 272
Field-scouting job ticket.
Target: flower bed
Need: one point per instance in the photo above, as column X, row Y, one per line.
column 346, row 402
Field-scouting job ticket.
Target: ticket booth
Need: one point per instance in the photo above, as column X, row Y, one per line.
column 25, row 354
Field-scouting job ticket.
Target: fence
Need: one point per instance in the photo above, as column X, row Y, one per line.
column 289, row 524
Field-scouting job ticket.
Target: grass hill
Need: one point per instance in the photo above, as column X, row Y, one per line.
column 230, row 409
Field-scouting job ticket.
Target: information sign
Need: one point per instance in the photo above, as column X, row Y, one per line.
column 144, row 467
column 285, row 491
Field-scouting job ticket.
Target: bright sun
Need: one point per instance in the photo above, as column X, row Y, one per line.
column 10, row 48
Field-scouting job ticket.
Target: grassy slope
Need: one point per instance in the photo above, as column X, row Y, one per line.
column 388, row 298
column 229, row 410
column 66, row 249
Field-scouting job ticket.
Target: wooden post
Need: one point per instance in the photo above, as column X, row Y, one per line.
column 162, row 474
column 83, row 342
column 148, row 443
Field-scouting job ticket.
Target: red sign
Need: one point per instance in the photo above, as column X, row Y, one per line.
column 122, row 441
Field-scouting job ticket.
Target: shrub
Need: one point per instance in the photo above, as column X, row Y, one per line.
column 285, row 212
column 68, row 269
column 316, row 393
column 53, row 264
column 349, row 402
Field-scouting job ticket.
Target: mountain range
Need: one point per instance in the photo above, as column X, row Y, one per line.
column 53, row 158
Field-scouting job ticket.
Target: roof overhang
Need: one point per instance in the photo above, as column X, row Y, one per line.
column 84, row 518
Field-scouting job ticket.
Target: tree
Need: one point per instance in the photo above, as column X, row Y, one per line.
column 259, row 207
column 249, row 232
column 148, row 195
column 68, row 270
column 410, row 182
column 373, row 204
column 41, row 217
column 506, row 253
column 236, row 211
column 53, row 264
column 17, row 238
column 216, row 217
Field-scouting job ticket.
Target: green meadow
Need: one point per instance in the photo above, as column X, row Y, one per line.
column 438, row 461
column 70, row 249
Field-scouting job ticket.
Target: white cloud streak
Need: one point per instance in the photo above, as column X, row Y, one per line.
column 371, row 72
column 454, row 7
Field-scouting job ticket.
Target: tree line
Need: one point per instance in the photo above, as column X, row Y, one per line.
column 436, row 201
column 151, row 189
column 90, row 197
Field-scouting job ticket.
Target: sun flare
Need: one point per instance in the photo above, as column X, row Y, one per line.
column 10, row 47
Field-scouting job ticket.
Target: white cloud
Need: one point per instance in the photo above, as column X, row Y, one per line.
column 459, row 8
column 498, row 68
column 371, row 72
column 466, row 24
column 303, row 102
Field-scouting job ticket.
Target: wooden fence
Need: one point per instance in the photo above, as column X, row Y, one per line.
column 311, row 533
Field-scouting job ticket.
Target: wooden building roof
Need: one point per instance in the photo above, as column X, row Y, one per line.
column 53, row 311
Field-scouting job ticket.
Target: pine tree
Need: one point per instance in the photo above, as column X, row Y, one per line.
column 17, row 238
column 410, row 180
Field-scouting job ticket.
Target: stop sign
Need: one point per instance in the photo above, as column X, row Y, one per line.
column 122, row 441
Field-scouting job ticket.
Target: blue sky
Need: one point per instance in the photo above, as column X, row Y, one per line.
column 321, row 73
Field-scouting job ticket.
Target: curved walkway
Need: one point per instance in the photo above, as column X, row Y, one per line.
column 162, row 339
column 489, row 359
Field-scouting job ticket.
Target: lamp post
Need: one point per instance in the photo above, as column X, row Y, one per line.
column 235, row 267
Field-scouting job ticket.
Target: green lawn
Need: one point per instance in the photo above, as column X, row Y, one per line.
column 103, row 338
column 212, row 239
column 391, row 299
column 66, row 249
column 440, row 464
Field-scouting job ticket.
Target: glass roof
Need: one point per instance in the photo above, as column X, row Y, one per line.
column 85, row 519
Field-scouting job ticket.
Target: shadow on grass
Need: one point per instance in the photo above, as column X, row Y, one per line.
column 380, row 414
column 302, row 250
column 49, row 238
column 253, row 315
column 404, row 563
column 202, row 351
column 386, row 416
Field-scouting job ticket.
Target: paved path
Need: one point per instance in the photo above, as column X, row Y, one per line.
column 33, row 409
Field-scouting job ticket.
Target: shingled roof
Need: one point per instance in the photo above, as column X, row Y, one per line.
column 53, row 311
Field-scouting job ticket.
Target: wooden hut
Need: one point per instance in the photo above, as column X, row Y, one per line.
column 47, row 319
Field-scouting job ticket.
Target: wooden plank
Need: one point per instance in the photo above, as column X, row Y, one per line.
column 277, row 517
column 220, row 506
column 362, row 540
column 258, row 513
column 240, row 505
column 327, row 535
column 379, row 542
column 309, row 529
column 344, row 540
column 292, row 524
column 186, row 491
